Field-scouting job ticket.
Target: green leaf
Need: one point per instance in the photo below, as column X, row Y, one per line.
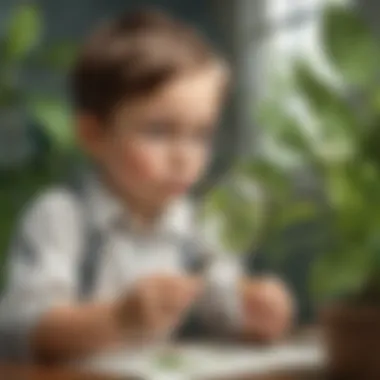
column 24, row 31
column 375, row 101
column 369, row 144
column 336, row 123
column 320, row 95
column 343, row 189
column 298, row 212
column 283, row 139
column 238, row 210
column 272, row 179
column 60, row 56
column 9, row 96
column 262, row 170
column 55, row 118
column 340, row 273
column 350, row 45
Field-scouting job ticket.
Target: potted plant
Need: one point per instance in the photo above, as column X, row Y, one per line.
column 333, row 136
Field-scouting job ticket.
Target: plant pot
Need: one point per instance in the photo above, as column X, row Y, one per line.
column 352, row 337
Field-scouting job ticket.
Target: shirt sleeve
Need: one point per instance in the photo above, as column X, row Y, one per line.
column 41, row 269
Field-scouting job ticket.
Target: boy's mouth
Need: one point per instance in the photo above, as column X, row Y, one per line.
column 178, row 187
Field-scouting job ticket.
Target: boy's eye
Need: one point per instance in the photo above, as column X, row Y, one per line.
column 204, row 135
column 157, row 130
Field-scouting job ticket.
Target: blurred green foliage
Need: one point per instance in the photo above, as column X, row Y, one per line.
column 46, row 116
column 337, row 142
column 22, row 49
column 24, row 33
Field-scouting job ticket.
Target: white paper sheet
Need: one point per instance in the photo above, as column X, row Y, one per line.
column 202, row 361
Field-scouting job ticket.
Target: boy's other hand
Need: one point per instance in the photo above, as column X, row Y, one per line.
column 268, row 309
column 156, row 304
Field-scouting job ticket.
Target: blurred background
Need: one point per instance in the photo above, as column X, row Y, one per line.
column 305, row 94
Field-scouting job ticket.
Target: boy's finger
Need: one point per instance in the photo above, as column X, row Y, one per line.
column 154, row 314
column 195, row 285
column 178, row 298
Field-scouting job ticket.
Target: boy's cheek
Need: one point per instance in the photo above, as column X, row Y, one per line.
column 140, row 165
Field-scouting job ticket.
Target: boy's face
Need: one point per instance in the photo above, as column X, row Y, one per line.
column 157, row 147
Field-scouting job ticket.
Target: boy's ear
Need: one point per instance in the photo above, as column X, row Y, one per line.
column 90, row 133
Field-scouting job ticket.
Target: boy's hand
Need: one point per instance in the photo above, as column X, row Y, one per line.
column 156, row 304
column 268, row 309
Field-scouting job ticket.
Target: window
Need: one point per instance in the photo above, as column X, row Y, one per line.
column 275, row 36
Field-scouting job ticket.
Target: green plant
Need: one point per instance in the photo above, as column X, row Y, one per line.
column 46, row 115
column 22, row 52
column 338, row 144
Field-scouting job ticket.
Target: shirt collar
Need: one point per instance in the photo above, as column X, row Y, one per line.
column 104, row 208
column 107, row 210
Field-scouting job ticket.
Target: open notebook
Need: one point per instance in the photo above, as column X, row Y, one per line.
column 207, row 361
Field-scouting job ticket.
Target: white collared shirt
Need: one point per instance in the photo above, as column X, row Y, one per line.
column 44, row 259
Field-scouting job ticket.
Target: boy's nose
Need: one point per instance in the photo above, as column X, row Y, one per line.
column 182, row 157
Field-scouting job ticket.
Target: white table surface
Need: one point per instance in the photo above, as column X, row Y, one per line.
column 207, row 360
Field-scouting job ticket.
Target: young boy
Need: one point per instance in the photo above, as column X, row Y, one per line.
column 148, row 92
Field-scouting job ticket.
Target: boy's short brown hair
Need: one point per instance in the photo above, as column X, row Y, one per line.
column 132, row 56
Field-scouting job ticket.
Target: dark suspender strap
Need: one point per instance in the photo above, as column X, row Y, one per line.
column 195, row 262
column 195, row 256
column 91, row 247
column 89, row 268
